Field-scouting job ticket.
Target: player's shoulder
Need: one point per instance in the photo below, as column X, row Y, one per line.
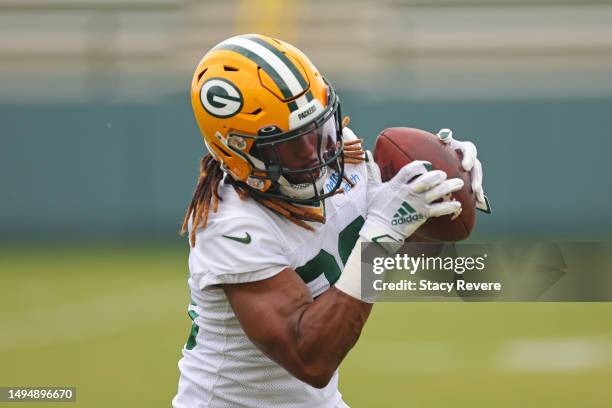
column 240, row 243
column 235, row 213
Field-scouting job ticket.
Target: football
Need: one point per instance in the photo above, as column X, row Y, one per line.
column 396, row 147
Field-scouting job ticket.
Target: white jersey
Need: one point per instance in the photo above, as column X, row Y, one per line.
column 246, row 242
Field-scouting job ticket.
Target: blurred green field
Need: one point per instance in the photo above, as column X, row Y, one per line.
column 111, row 320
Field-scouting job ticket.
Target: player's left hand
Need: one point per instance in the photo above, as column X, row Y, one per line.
column 471, row 164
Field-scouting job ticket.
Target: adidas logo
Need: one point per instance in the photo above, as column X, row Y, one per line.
column 405, row 215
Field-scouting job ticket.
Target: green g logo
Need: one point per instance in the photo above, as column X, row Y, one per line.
column 220, row 98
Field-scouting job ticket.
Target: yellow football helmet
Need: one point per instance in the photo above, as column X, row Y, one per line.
column 270, row 118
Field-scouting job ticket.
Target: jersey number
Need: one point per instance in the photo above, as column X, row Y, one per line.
column 325, row 263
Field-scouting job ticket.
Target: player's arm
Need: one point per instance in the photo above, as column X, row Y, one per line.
column 308, row 337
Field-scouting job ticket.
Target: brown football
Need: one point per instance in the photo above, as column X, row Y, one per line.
column 396, row 147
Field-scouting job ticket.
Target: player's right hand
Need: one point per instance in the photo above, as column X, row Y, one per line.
column 397, row 208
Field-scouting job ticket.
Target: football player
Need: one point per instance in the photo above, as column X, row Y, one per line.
column 284, row 199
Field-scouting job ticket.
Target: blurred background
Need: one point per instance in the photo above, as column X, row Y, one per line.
column 99, row 155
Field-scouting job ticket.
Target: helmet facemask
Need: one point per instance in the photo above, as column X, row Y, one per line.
column 300, row 162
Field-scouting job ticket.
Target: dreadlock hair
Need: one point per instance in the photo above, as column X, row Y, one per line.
column 211, row 175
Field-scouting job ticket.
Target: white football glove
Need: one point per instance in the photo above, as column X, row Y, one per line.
column 470, row 163
column 397, row 208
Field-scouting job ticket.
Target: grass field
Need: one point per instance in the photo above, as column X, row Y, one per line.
column 111, row 320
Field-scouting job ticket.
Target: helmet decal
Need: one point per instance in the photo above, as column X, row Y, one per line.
column 221, row 98
column 305, row 113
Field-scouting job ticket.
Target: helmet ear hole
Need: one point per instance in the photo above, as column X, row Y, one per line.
column 228, row 68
